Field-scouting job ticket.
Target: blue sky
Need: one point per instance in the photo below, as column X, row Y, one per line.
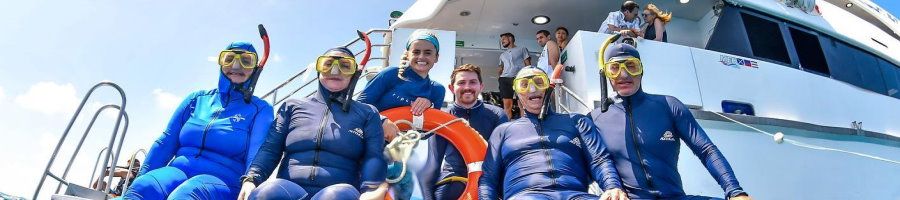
column 54, row 51
column 51, row 52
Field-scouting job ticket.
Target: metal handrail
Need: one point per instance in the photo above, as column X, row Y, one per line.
column 96, row 163
column 289, row 80
column 84, row 136
column 572, row 94
column 386, row 52
column 62, row 139
column 131, row 167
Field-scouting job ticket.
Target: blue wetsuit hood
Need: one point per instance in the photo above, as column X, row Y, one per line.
column 227, row 88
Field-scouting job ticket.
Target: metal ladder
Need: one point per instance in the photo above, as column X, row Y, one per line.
column 130, row 168
column 72, row 189
column 385, row 53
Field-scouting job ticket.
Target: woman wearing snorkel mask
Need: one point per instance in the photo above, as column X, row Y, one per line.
column 212, row 137
column 407, row 85
column 329, row 152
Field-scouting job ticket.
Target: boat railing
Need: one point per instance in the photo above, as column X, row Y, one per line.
column 565, row 98
column 131, row 166
column 385, row 54
column 107, row 154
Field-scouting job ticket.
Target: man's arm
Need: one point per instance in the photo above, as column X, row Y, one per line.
column 490, row 183
column 552, row 53
column 526, row 56
column 696, row 139
column 603, row 170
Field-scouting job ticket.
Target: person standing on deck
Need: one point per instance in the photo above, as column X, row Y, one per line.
column 511, row 61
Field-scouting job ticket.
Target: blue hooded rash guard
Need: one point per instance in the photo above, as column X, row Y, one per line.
column 323, row 145
column 387, row 91
column 481, row 117
column 207, row 145
column 642, row 133
column 556, row 157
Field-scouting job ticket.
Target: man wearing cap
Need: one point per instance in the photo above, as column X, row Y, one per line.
column 511, row 61
column 549, row 156
column 642, row 133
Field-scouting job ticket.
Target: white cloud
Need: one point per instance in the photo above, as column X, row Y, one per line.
column 49, row 98
column 276, row 58
column 213, row 59
column 166, row 101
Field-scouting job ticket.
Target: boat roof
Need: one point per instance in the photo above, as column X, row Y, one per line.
column 487, row 19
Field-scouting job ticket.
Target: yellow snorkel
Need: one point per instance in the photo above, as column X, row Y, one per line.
column 605, row 101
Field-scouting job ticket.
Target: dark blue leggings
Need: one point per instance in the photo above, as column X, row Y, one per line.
column 172, row 183
column 285, row 189
column 567, row 195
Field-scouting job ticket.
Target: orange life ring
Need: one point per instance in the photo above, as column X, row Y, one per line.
column 464, row 138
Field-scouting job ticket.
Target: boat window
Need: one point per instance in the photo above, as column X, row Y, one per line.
column 809, row 51
column 891, row 77
column 869, row 71
column 765, row 38
column 841, row 62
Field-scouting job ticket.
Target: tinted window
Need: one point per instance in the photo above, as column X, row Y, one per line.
column 891, row 77
column 842, row 63
column 765, row 38
column 869, row 71
column 809, row 51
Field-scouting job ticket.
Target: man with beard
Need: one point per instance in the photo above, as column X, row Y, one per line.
column 466, row 85
column 511, row 61
column 546, row 156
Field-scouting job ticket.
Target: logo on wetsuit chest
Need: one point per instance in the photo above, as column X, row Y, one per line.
column 668, row 136
column 358, row 132
column 236, row 118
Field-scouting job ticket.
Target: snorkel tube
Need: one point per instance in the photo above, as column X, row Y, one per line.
column 605, row 101
column 554, row 75
column 362, row 66
column 248, row 91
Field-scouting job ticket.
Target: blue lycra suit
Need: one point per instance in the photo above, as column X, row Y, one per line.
column 206, row 147
column 328, row 153
column 551, row 158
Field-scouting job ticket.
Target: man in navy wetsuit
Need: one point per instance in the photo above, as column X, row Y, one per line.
column 551, row 157
column 450, row 169
column 642, row 133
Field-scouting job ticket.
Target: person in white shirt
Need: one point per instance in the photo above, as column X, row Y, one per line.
column 624, row 19
column 550, row 54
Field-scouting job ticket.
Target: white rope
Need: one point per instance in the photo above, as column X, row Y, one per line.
column 809, row 146
column 406, row 141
